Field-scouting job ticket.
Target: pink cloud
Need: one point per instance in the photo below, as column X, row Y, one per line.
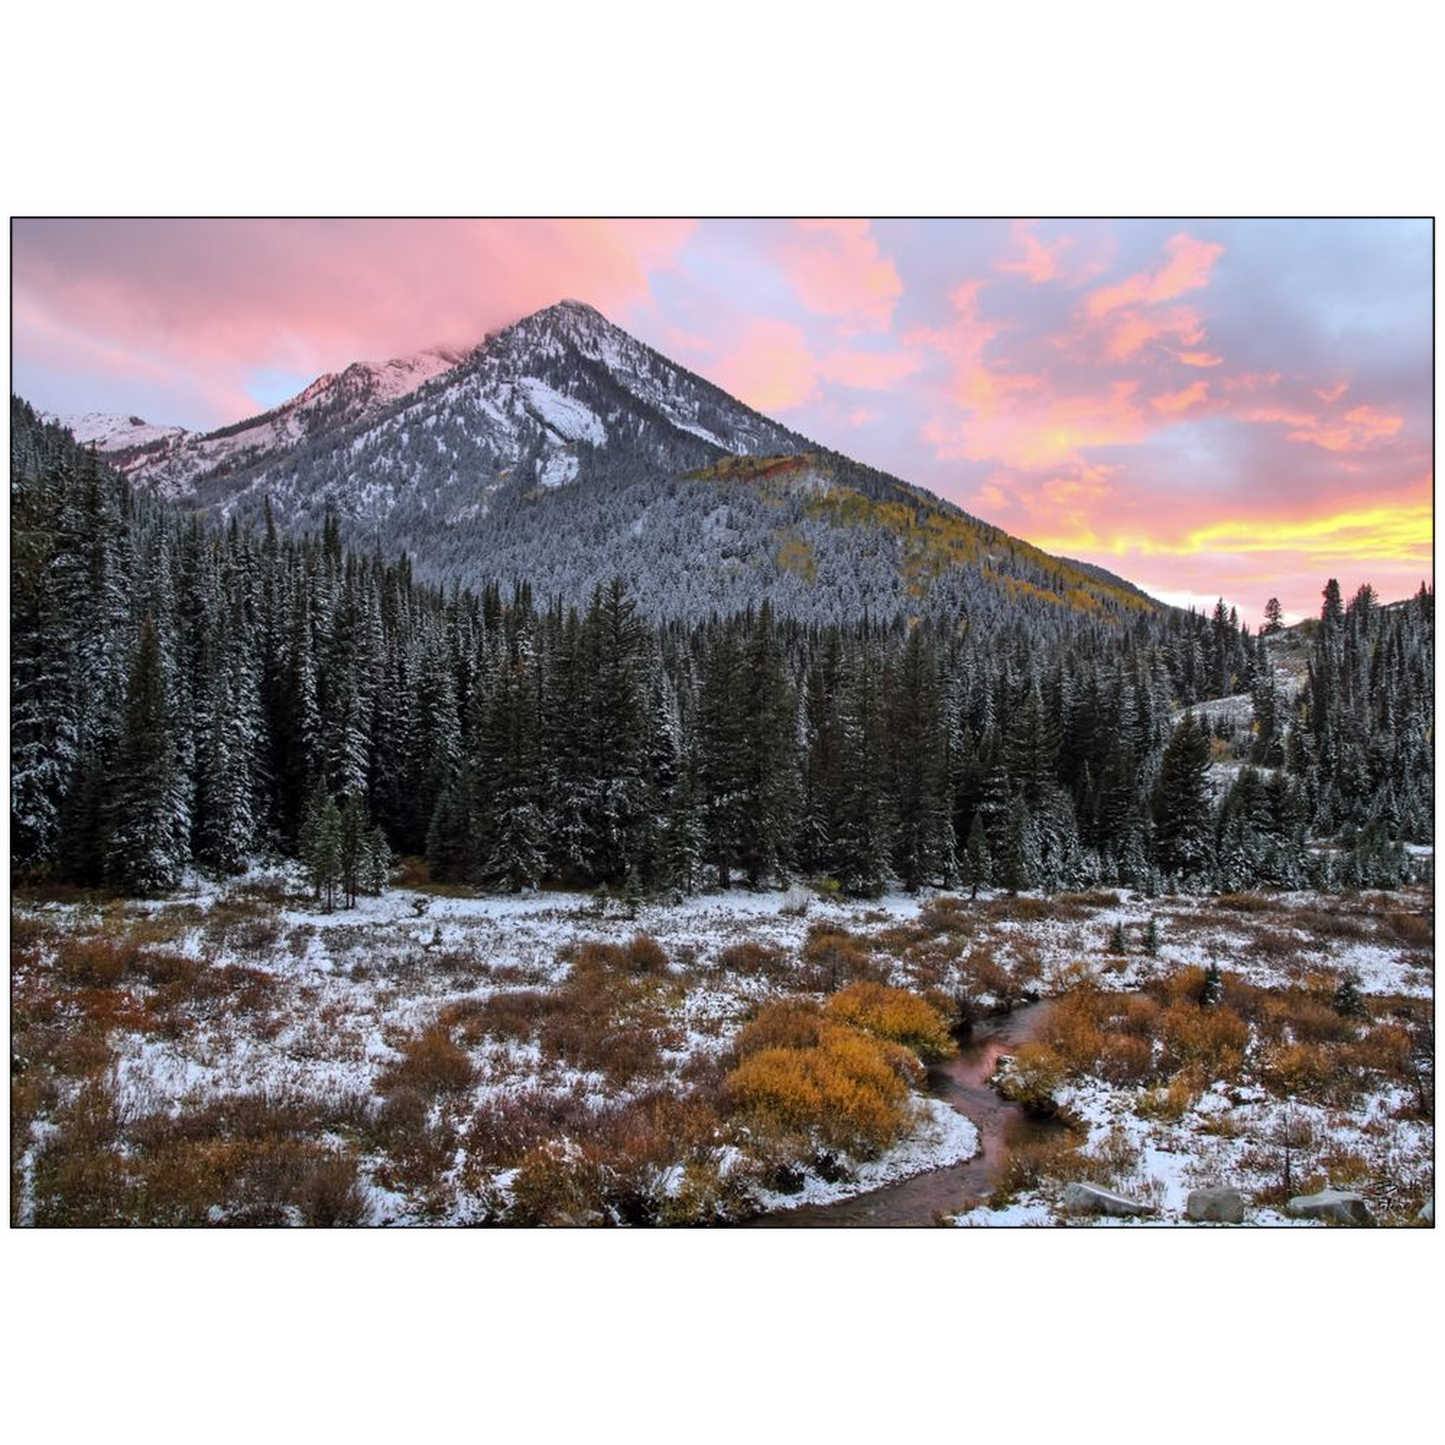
column 1357, row 431
column 1332, row 393
column 1200, row 358
column 870, row 370
column 1282, row 415
column 1187, row 269
column 837, row 270
column 1036, row 430
column 1250, row 381
column 1191, row 396
column 770, row 367
column 1127, row 332
column 1038, row 260
column 230, row 297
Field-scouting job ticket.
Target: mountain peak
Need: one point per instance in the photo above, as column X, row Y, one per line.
column 566, row 450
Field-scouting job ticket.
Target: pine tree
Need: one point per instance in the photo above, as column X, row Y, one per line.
column 451, row 837
column 864, row 846
column 355, row 828
column 1019, row 864
column 1212, row 990
column 323, row 850
column 375, row 862
column 146, row 844
column 978, row 869
column 1151, row 937
column 1347, row 1001
column 1181, row 801
column 925, row 850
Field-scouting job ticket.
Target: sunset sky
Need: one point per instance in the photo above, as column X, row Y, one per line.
column 1205, row 407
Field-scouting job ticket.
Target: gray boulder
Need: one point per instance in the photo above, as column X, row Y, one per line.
column 1427, row 1214
column 1090, row 1199
column 1339, row 1206
column 1216, row 1205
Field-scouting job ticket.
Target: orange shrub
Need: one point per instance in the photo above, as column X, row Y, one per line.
column 1385, row 1050
column 1126, row 1059
column 1299, row 1069
column 846, row 1091
column 1072, row 1030
column 1034, row 1078
column 1211, row 1040
column 895, row 1014
column 790, row 1024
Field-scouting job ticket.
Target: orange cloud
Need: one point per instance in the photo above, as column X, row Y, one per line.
column 1042, row 431
column 1356, row 432
column 1187, row 269
column 837, row 270
column 1332, row 393
column 1173, row 402
column 1200, row 358
column 1039, row 261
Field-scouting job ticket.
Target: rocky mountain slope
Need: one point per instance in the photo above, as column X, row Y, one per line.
column 564, row 451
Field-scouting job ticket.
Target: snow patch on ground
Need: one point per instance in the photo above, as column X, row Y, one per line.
column 943, row 1137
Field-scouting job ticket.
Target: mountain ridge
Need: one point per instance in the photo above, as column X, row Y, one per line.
column 563, row 450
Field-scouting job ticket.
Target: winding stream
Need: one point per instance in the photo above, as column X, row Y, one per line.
column 963, row 1083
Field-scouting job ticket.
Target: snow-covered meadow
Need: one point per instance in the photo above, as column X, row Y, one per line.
column 409, row 1052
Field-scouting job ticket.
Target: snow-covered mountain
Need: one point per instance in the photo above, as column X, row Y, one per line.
column 109, row 433
column 565, row 451
column 172, row 461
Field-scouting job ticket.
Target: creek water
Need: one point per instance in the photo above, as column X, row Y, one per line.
column 963, row 1083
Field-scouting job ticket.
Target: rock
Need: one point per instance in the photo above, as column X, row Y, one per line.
column 1427, row 1214
column 1216, row 1205
column 1090, row 1199
column 1337, row 1205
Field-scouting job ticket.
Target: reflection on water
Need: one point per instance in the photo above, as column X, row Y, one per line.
column 962, row 1082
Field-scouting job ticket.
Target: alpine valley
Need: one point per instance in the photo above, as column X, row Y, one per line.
column 529, row 786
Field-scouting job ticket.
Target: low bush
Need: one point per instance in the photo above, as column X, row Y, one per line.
column 833, row 958
column 431, row 1063
column 842, row 1092
column 1413, row 929
column 750, row 959
column 947, row 915
column 790, row 1024
column 1299, row 1070
column 645, row 955
column 1032, row 1076
column 1244, row 903
column 897, row 1015
column 1210, row 1040
column 558, row 1184
column 806, row 1080
column 1171, row 1102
